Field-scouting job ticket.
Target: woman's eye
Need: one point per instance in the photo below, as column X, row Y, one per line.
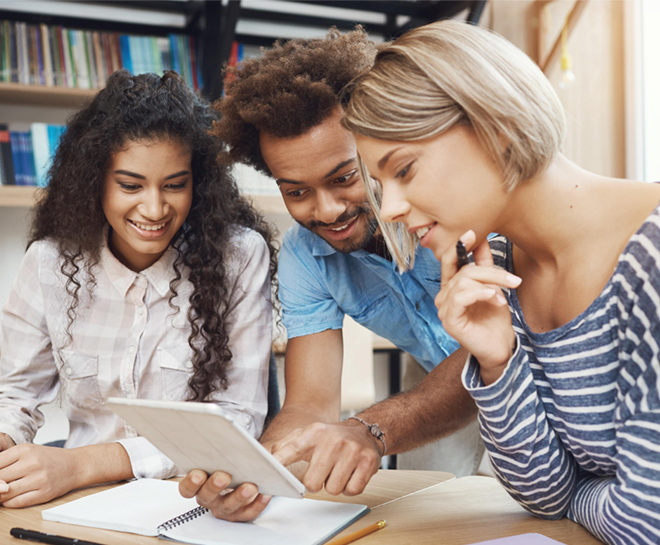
column 295, row 193
column 177, row 186
column 402, row 173
column 129, row 187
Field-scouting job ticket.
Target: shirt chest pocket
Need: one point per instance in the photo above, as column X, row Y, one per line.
column 79, row 376
column 176, row 368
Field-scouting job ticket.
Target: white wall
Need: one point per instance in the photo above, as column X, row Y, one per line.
column 13, row 237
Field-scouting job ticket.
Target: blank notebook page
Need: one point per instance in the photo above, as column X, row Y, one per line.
column 285, row 521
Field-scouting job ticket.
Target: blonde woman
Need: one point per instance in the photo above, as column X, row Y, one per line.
column 462, row 133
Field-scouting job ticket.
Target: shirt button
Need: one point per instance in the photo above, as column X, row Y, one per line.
column 131, row 349
column 140, row 311
column 417, row 306
column 68, row 371
column 189, row 364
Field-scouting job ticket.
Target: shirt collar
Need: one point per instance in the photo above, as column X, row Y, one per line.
column 159, row 274
column 320, row 248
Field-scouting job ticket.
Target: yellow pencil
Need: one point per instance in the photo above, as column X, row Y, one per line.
column 360, row 533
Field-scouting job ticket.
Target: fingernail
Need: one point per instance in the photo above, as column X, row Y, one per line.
column 4, row 487
column 501, row 300
column 196, row 478
column 489, row 291
column 265, row 499
column 513, row 279
column 467, row 236
column 220, row 482
column 247, row 492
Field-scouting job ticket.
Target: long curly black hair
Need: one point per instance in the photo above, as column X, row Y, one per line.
column 138, row 108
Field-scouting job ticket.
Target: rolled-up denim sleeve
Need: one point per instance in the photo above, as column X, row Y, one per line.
column 307, row 305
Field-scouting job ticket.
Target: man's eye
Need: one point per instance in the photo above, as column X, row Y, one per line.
column 295, row 193
column 346, row 177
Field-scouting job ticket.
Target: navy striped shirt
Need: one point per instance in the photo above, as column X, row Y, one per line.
column 572, row 427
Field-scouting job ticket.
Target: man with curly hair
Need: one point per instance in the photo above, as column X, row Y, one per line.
column 282, row 116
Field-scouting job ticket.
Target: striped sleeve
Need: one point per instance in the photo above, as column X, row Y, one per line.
column 526, row 455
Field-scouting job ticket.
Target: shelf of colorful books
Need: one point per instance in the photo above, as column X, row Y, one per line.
column 13, row 195
column 41, row 95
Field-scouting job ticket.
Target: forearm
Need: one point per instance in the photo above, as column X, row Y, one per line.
column 437, row 407
column 96, row 464
column 527, row 456
column 295, row 416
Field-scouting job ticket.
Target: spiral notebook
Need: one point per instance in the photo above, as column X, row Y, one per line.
column 153, row 507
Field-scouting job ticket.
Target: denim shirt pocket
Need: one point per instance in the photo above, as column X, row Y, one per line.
column 176, row 368
column 79, row 375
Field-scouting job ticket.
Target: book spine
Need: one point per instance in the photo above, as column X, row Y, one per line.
column 68, row 61
column 63, row 46
column 156, row 55
column 13, row 52
column 165, row 53
column 119, row 63
column 40, row 151
column 90, row 59
column 126, row 53
column 16, row 157
column 101, row 76
column 107, row 49
column 193, row 63
column 174, row 48
column 49, row 78
column 185, row 59
column 7, row 159
column 29, row 157
column 82, row 67
column 3, row 63
column 39, row 57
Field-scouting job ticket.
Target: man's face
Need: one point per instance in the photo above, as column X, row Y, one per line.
column 318, row 176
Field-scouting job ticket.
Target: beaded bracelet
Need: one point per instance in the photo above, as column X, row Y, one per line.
column 374, row 429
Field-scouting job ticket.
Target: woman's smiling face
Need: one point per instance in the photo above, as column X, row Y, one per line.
column 438, row 187
column 147, row 197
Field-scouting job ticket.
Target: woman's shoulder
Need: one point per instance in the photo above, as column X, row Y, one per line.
column 42, row 252
column 246, row 245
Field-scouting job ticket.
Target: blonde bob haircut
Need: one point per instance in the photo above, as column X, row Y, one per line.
column 446, row 74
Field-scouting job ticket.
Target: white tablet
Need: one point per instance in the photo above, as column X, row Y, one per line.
column 203, row 436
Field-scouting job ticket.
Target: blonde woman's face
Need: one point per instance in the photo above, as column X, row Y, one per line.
column 439, row 187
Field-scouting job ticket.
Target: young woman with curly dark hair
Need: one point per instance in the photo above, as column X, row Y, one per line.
column 147, row 275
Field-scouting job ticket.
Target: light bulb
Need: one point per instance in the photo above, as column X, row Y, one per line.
column 567, row 79
column 567, row 75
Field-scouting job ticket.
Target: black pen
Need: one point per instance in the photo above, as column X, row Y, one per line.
column 462, row 254
column 51, row 539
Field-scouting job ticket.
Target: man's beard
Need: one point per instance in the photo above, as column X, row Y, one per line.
column 347, row 217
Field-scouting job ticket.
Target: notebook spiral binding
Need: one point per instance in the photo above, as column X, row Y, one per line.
column 182, row 519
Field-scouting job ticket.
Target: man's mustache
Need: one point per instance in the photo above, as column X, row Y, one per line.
column 346, row 217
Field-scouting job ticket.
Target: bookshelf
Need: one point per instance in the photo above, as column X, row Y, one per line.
column 38, row 95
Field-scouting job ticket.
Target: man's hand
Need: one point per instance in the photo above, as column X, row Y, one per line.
column 35, row 474
column 343, row 456
column 239, row 505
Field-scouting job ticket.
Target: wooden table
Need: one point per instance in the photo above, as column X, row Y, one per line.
column 383, row 488
column 462, row 512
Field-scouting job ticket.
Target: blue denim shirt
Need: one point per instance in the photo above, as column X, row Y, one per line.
column 319, row 285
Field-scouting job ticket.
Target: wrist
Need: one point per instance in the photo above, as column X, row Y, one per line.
column 374, row 432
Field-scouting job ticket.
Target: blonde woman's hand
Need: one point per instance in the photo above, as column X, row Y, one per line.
column 473, row 309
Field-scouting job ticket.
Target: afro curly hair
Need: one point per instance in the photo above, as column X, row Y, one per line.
column 292, row 88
